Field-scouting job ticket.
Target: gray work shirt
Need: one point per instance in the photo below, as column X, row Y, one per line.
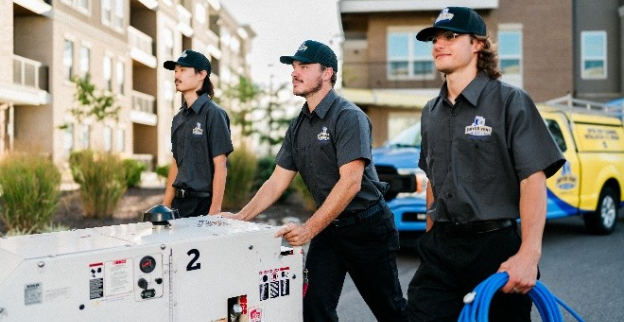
column 476, row 152
column 317, row 144
column 198, row 134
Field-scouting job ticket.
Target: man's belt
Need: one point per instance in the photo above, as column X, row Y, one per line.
column 348, row 220
column 182, row 193
column 473, row 228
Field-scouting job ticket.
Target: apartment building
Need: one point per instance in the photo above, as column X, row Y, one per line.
column 549, row 48
column 122, row 45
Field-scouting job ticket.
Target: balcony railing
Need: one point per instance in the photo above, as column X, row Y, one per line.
column 142, row 102
column 140, row 41
column 26, row 72
column 374, row 75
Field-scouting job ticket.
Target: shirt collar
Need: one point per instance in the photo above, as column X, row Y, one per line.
column 472, row 92
column 198, row 104
column 323, row 107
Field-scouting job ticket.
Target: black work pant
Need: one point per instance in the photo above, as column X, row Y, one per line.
column 453, row 265
column 367, row 251
column 192, row 207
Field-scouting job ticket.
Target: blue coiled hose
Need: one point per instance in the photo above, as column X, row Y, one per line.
column 477, row 302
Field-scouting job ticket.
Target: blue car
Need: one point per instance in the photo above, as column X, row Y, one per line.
column 396, row 162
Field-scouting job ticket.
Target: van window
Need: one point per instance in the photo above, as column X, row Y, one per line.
column 410, row 137
column 557, row 135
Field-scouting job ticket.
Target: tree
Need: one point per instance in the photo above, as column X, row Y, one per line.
column 92, row 103
column 242, row 97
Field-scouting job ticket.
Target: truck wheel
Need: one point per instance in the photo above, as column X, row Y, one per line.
column 603, row 221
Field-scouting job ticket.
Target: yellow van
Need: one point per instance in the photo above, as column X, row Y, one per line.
column 591, row 183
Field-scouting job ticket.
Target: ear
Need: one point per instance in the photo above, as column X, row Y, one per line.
column 477, row 45
column 203, row 74
column 328, row 73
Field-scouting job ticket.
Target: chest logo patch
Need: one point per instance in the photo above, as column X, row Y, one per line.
column 324, row 135
column 478, row 128
column 197, row 130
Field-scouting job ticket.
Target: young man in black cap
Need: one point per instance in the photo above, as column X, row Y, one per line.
column 487, row 154
column 200, row 139
column 353, row 230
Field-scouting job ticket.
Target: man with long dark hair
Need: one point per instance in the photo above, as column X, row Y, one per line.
column 487, row 154
column 201, row 141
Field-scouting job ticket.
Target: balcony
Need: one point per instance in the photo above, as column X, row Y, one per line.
column 184, row 21
column 143, row 109
column 26, row 86
column 141, row 47
column 39, row 7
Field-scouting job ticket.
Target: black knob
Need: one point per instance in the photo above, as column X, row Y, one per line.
column 143, row 283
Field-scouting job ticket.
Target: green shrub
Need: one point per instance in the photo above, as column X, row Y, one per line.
column 102, row 181
column 266, row 165
column 241, row 172
column 302, row 190
column 133, row 170
column 163, row 170
column 29, row 192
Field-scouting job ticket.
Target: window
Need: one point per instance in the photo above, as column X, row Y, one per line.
column 108, row 139
column 407, row 57
column 107, row 69
column 557, row 134
column 594, row 54
column 83, row 6
column 68, row 60
column 85, row 60
column 510, row 54
column 168, row 43
column 107, row 12
column 68, row 139
column 121, row 77
column 121, row 138
column 86, row 136
column 118, row 18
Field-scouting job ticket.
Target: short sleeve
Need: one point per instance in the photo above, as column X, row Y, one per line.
column 220, row 140
column 284, row 157
column 353, row 136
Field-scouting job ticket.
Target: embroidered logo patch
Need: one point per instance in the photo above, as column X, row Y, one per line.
column 303, row 47
column 478, row 129
column 183, row 55
column 198, row 130
column 324, row 135
column 444, row 15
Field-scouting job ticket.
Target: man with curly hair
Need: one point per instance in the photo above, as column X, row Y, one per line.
column 487, row 154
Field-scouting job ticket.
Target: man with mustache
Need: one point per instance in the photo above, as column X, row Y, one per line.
column 352, row 230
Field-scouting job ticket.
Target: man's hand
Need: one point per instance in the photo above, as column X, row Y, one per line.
column 522, row 271
column 296, row 234
column 230, row 215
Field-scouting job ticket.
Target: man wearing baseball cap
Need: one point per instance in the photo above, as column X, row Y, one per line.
column 200, row 141
column 352, row 230
column 487, row 154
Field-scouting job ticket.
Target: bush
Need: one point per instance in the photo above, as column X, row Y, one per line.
column 133, row 169
column 29, row 192
column 102, row 181
column 303, row 192
column 241, row 172
column 163, row 170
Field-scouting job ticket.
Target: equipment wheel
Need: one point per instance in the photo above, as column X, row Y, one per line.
column 604, row 219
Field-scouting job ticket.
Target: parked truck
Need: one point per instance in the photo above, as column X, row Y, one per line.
column 589, row 185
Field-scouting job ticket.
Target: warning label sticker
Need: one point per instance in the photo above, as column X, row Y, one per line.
column 274, row 283
column 96, row 281
column 33, row 293
column 118, row 277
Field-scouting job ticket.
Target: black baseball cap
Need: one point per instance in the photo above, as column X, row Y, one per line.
column 313, row 52
column 190, row 58
column 458, row 19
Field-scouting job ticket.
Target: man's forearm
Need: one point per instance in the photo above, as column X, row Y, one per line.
column 533, row 214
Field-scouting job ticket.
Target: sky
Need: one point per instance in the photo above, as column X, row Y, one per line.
column 281, row 26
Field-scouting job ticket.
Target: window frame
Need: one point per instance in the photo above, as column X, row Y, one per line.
column 585, row 74
column 412, row 57
column 516, row 79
